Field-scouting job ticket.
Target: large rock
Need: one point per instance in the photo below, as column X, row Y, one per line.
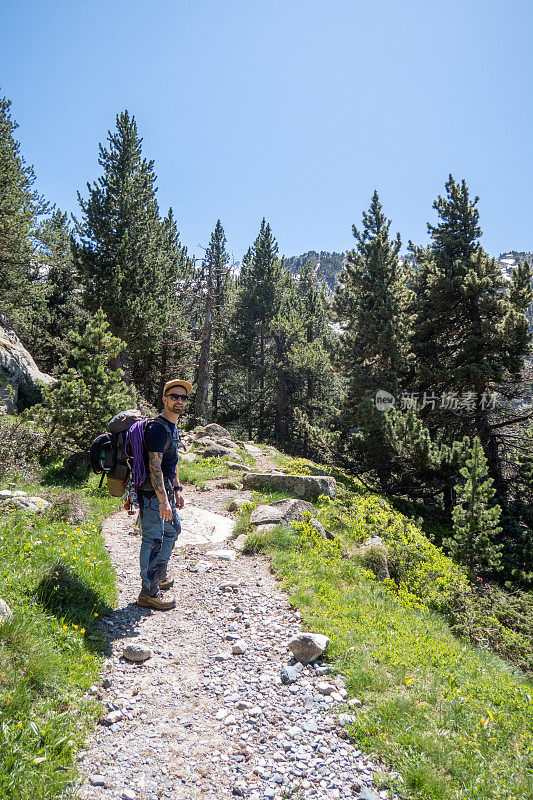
column 216, row 430
column 29, row 503
column 225, row 442
column 200, row 526
column 307, row 647
column 281, row 512
column 20, row 377
column 5, row 611
column 204, row 441
column 188, row 458
column 217, row 451
column 300, row 485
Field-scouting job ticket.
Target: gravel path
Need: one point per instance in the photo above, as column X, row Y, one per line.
column 196, row 720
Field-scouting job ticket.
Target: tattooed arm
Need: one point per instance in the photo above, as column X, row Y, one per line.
column 158, row 482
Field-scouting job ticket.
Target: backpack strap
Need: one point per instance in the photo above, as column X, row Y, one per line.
column 166, row 425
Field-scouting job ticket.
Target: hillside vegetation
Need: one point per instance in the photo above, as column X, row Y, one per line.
column 454, row 720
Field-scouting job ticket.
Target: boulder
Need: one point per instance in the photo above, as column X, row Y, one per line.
column 237, row 502
column 225, row 442
column 300, row 485
column 204, row 441
column 236, row 466
column 200, row 526
column 281, row 512
column 320, row 529
column 240, row 542
column 307, row 647
column 5, row 611
column 217, row 451
column 20, row 377
column 188, row 458
column 216, row 430
column 264, row 528
column 29, row 503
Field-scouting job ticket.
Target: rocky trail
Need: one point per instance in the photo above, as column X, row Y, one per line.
column 218, row 709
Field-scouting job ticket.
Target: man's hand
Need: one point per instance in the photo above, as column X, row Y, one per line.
column 165, row 510
column 179, row 499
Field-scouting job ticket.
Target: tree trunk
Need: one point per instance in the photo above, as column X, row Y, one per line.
column 249, row 387
column 204, row 361
column 215, row 390
column 261, row 383
column 162, row 376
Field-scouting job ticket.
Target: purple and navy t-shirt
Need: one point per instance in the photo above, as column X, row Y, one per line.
column 155, row 438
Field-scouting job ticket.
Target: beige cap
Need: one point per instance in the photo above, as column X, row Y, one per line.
column 186, row 385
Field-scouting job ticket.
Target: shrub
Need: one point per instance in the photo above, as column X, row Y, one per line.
column 69, row 507
column 19, row 447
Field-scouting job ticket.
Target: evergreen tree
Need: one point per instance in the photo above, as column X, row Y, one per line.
column 89, row 392
column 370, row 304
column 314, row 310
column 62, row 313
column 470, row 336
column 467, row 335
column 256, row 306
column 214, row 279
column 475, row 521
column 123, row 250
column 22, row 296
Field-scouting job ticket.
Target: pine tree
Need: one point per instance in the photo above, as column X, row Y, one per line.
column 314, row 309
column 370, row 304
column 214, row 280
column 22, row 296
column 475, row 520
column 62, row 313
column 465, row 334
column 256, row 306
column 123, row 249
column 89, row 392
column 470, row 334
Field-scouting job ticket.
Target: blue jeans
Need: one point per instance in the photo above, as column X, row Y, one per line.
column 158, row 538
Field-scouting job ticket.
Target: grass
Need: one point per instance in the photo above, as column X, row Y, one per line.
column 58, row 581
column 453, row 720
column 201, row 470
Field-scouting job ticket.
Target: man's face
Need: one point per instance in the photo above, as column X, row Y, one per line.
column 175, row 398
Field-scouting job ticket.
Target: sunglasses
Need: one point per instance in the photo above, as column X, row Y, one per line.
column 176, row 397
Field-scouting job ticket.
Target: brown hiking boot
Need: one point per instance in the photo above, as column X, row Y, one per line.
column 165, row 581
column 156, row 601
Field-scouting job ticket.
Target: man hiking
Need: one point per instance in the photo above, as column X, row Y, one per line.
column 160, row 497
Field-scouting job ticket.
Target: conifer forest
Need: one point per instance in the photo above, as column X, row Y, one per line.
column 407, row 366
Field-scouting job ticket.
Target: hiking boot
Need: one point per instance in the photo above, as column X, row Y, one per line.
column 156, row 601
column 165, row 581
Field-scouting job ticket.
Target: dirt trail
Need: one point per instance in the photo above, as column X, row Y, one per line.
column 196, row 720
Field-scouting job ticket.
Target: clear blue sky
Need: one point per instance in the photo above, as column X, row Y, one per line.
column 290, row 110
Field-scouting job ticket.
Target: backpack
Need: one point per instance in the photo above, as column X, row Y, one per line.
column 112, row 454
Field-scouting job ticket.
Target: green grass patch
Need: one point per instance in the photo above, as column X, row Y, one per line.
column 58, row 580
column 201, row 470
column 454, row 721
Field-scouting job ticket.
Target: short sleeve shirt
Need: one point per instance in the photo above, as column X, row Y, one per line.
column 155, row 438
